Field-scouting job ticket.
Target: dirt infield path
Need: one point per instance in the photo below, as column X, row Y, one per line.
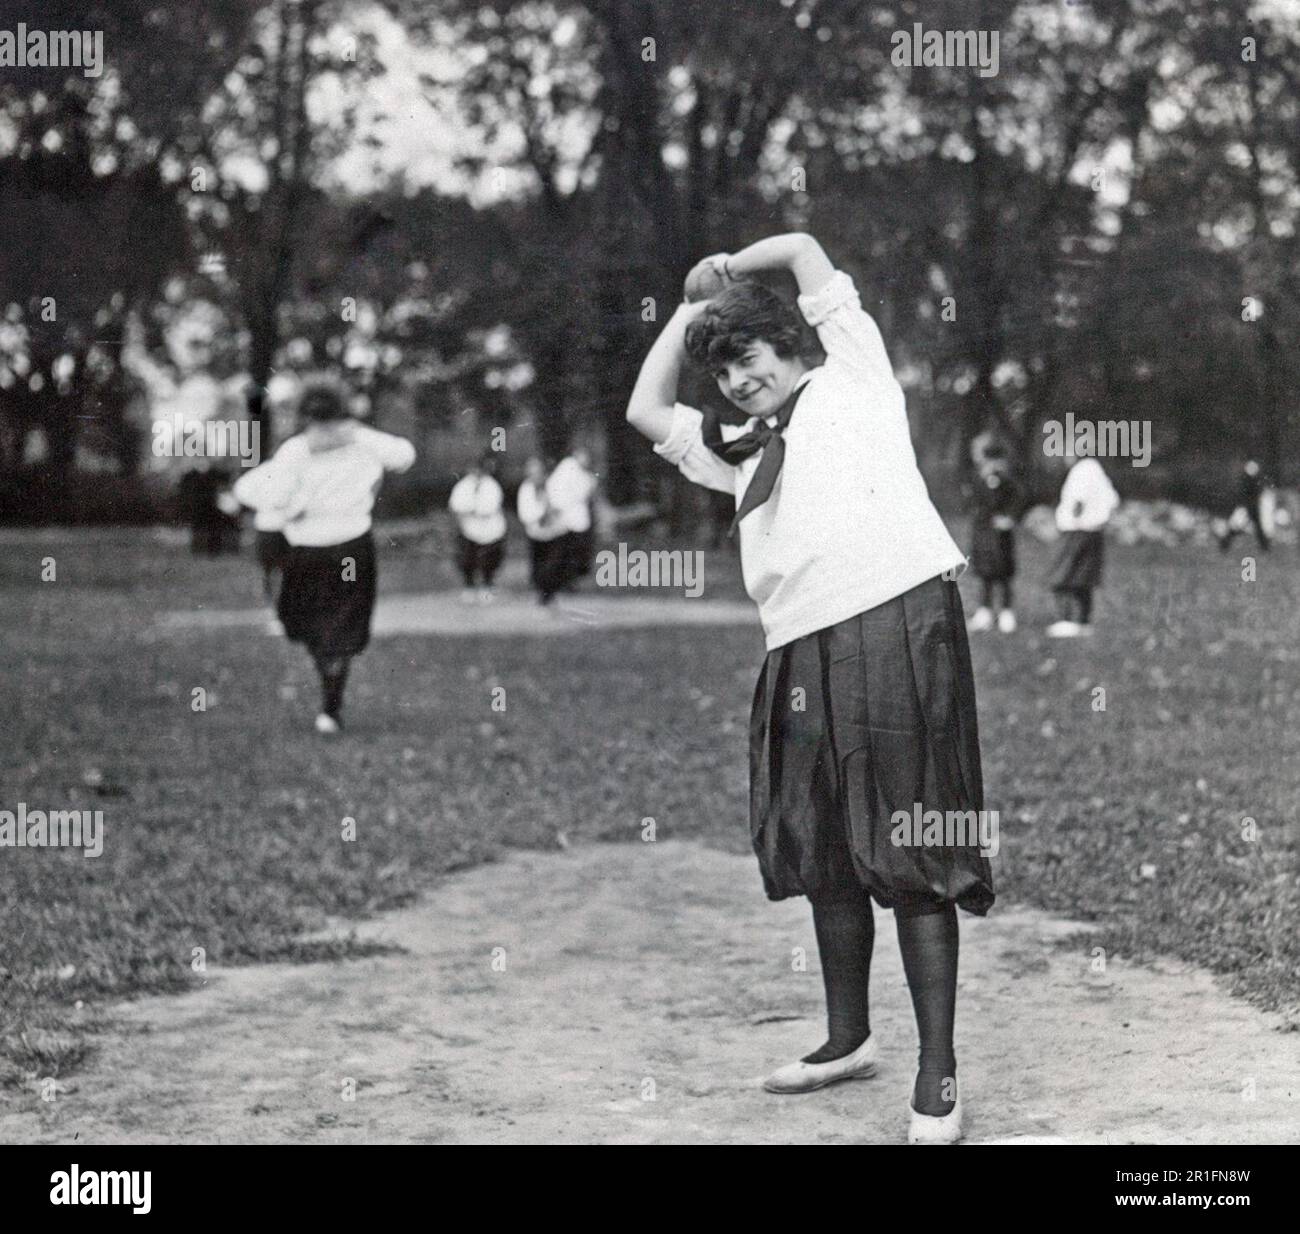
column 444, row 613
column 644, row 991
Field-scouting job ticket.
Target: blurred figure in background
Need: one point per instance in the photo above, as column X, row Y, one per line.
column 986, row 447
column 323, row 483
column 1256, row 506
column 997, row 501
column 270, row 547
column 228, row 513
column 198, row 493
column 721, row 508
column 1088, row 499
column 477, row 504
column 543, row 527
column 572, row 491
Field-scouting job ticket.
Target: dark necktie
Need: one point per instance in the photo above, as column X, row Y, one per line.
column 767, row 438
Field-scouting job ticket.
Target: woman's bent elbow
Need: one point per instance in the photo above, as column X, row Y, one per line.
column 650, row 420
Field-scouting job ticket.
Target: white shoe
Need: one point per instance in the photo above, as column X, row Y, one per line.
column 981, row 620
column 1063, row 629
column 467, row 595
column 326, row 724
column 1007, row 621
column 485, row 595
column 804, row 1077
column 935, row 1128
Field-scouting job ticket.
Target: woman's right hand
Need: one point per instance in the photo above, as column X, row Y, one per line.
column 708, row 278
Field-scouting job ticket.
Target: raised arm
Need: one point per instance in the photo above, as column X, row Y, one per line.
column 828, row 300
column 650, row 409
column 795, row 251
column 673, row 427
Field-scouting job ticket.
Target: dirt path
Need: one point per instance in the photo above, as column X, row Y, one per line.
column 646, row 989
column 444, row 613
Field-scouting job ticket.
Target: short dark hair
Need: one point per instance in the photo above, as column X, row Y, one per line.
column 323, row 400
column 741, row 315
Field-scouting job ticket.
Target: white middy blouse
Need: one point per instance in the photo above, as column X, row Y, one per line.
column 325, row 496
column 850, row 523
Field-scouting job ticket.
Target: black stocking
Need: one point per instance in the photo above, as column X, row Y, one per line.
column 333, row 677
column 846, row 931
column 928, row 942
column 1085, row 605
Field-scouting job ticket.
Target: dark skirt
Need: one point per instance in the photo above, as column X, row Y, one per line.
column 856, row 722
column 1078, row 561
column 479, row 562
column 993, row 552
column 327, row 596
column 575, row 551
column 548, row 568
column 272, row 550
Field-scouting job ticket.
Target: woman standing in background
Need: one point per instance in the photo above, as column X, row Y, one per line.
column 571, row 490
column 543, row 527
column 996, row 498
column 477, row 504
column 1088, row 499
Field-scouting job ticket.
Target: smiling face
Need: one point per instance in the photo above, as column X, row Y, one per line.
column 752, row 344
column 758, row 380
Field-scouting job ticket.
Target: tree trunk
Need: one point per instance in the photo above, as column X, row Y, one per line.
column 551, row 418
column 1261, row 269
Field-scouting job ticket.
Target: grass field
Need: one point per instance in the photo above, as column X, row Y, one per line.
column 223, row 827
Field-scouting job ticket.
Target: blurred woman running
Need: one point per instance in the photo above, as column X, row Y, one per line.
column 323, row 483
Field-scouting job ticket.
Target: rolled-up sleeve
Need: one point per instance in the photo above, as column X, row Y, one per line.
column 392, row 452
column 685, row 449
column 250, row 488
column 848, row 333
column 272, row 485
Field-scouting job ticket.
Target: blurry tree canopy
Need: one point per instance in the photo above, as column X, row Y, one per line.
column 1107, row 225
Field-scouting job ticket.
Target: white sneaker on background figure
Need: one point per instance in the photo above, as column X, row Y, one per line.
column 981, row 620
column 1007, row 621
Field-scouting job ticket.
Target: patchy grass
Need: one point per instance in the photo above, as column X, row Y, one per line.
column 223, row 828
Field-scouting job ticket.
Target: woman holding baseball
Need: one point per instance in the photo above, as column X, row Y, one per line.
column 865, row 702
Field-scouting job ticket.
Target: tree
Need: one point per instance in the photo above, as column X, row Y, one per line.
column 93, row 227
column 262, row 118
